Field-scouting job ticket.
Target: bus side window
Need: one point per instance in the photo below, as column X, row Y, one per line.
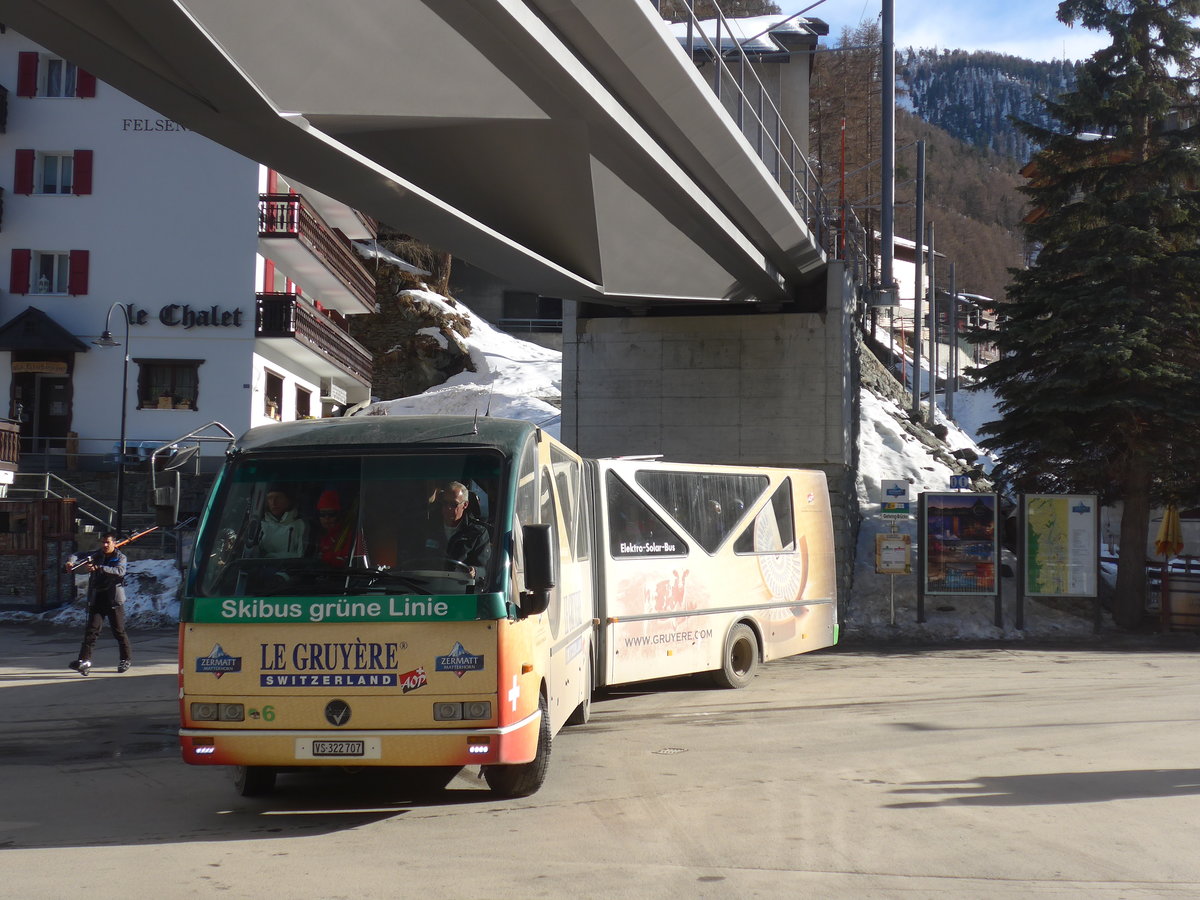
column 708, row 505
column 773, row 529
column 634, row 529
column 527, row 498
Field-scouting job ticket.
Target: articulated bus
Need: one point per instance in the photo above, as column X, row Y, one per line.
column 598, row 573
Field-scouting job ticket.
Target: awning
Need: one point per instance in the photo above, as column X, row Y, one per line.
column 34, row 330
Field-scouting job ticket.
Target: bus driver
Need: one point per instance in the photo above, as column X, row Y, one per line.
column 456, row 535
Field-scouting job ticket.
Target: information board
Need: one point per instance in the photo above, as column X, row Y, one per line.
column 1059, row 545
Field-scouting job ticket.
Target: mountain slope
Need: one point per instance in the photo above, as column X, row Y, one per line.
column 972, row 94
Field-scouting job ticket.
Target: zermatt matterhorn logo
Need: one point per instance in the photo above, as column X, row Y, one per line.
column 459, row 661
column 218, row 662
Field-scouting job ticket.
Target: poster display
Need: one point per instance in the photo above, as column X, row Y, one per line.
column 1059, row 545
column 959, row 543
column 893, row 554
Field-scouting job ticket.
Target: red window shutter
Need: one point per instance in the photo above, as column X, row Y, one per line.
column 27, row 72
column 23, row 172
column 83, row 172
column 18, row 273
column 77, row 280
column 272, row 181
column 268, row 276
column 85, row 84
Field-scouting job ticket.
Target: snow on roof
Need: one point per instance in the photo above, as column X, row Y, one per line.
column 756, row 34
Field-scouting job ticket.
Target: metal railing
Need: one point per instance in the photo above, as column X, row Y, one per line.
column 286, row 316
column 47, row 485
column 290, row 216
column 838, row 232
column 523, row 326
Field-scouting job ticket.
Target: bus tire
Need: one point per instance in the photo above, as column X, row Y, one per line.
column 739, row 662
column 253, row 781
column 523, row 779
column 583, row 712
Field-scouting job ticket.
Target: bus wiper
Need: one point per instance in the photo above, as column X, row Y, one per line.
column 380, row 577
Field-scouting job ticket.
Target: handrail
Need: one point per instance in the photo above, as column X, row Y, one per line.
column 46, row 492
column 801, row 186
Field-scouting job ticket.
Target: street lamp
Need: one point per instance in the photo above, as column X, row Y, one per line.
column 107, row 340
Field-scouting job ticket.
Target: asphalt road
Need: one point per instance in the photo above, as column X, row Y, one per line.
column 851, row 773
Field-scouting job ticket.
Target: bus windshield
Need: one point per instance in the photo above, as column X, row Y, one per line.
column 320, row 525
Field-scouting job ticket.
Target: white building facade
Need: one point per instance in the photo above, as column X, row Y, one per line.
column 232, row 284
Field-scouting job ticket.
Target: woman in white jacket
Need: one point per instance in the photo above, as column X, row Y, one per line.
column 284, row 533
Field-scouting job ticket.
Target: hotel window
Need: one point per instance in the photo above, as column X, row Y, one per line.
column 273, row 397
column 168, row 383
column 57, row 171
column 303, row 403
column 52, row 172
column 49, row 272
column 60, row 78
column 43, row 75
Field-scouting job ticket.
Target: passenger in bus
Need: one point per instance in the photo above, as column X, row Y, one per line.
column 337, row 532
column 457, row 535
column 283, row 531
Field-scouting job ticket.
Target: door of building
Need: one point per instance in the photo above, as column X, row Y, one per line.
column 42, row 403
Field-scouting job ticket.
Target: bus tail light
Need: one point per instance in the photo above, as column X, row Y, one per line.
column 479, row 745
column 218, row 712
column 453, row 712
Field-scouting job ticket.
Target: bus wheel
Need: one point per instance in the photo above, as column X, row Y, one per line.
column 253, row 781
column 740, row 660
column 524, row 779
column 583, row 711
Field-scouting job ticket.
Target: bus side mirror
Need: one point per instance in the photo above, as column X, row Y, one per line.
column 166, row 504
column 541, row 568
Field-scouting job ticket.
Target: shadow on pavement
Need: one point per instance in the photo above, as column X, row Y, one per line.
column 1055, row 788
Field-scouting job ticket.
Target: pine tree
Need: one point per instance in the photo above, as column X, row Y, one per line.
column 1099, row 378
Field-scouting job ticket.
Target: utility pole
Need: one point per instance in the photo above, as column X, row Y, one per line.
column 918, row 284
column 887, row 212
column 952, row 367
column 933, row 343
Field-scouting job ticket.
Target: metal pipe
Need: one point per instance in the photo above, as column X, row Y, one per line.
column 887, row 215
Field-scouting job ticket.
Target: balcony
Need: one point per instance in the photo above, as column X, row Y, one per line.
column 314, row 340
column 309, row 252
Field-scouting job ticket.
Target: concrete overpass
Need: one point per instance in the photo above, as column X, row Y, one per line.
column 569, row 146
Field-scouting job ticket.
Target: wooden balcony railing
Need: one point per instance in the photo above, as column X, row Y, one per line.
column 286, row 316
column 10, row 445
column 289, row 216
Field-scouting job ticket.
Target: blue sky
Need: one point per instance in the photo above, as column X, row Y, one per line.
column 1025, row 28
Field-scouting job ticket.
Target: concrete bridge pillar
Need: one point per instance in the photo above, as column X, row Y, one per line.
column 733, row 386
